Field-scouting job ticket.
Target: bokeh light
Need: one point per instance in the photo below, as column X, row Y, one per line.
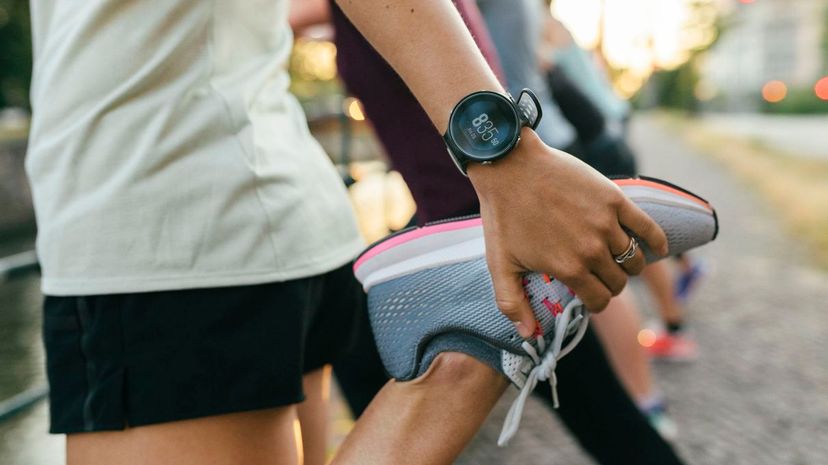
column 314, row 60
column 821, row 88
column 353, row 108
column 774, row 91
column 638, row 37
column 646, row 337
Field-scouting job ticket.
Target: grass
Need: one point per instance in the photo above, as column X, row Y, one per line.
column 796, row 187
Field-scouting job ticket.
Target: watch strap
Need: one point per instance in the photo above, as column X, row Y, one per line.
column 529, row 110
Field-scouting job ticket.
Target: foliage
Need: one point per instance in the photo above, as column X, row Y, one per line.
column 15, row 53
column 674, row 88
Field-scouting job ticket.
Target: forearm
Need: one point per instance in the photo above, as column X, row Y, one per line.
column 428, row 45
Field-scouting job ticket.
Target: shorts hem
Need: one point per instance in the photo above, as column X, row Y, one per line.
column 175, row 418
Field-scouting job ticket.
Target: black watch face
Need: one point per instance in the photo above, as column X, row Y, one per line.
column 484, row 126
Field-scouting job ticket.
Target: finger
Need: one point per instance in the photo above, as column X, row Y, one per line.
column 592, row 292
column 643, row 226
column 635, row 265
column 619, row 244
column 611, row 274
column 511, row 298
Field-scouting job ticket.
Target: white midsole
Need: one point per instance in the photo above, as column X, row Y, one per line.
column 444, row 248
column 451, row 253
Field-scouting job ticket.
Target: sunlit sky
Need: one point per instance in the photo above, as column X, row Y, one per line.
column 638, row 34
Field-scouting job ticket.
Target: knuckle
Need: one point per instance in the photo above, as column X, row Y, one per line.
column 617, row 199
column 598, row 300
column 620, row 285
column 508, row 306
column 595, row 250
column 572, row 275
column 605, row 227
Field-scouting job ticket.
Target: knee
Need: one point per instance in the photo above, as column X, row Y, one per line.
column 457, row 370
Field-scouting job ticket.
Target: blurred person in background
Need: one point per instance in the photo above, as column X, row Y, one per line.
column 517, row 28
column 604, row 118
column 195, row 242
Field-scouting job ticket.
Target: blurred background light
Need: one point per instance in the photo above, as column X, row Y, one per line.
column 646, row 337
column 639, row 37
column 821, row 88
column 774, row 91
column 353, row 108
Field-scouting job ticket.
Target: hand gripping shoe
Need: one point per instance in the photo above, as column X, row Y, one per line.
column 429, row 291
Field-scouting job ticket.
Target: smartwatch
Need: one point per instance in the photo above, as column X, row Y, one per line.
column 485, row 126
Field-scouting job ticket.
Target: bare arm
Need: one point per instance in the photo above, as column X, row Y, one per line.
column 429, row 46
column 542, row 209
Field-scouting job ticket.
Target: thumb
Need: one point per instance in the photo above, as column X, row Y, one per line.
column 511, row 298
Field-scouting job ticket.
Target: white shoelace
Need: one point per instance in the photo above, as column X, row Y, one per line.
column 545, row 365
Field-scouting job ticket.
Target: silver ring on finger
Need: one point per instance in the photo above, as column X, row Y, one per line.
column 626, row 255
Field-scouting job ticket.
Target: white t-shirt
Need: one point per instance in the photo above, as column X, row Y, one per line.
column 166, row 152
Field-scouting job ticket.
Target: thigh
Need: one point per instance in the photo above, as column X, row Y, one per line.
column 261, row 437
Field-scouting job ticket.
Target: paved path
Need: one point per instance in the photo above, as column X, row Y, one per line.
column 797, row 134
column 759, row 393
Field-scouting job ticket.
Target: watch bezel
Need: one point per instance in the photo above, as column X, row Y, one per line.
column 506, row 148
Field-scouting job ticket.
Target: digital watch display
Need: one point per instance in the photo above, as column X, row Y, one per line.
column 485, row 126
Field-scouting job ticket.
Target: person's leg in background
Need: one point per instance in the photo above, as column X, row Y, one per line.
column 618, row 329
column 673, row 342
column 314, row 417
column 658, row 278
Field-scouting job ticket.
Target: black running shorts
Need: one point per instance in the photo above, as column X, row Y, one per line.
column 115, row 361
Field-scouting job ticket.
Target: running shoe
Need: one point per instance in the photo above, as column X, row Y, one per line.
column 661, row 421
column 688, row 280
column 429, row 291
column 672, row 347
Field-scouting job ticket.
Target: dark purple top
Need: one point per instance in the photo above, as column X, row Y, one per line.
column 414, row 146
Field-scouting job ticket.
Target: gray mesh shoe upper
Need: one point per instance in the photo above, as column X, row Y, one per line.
column 429, row 291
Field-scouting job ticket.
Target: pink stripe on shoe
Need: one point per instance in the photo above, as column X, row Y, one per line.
column 415, row 234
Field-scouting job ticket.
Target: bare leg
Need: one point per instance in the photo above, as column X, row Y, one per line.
column 660, row 283
column 313, row 415
column 618, row 327
column 427, row 421
column 261, row 437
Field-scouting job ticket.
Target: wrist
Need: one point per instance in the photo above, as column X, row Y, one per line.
column 493, row 176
